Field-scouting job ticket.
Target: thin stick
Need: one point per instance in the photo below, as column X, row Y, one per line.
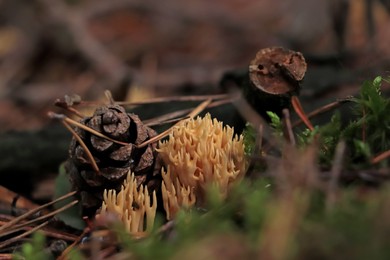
column 167, row 118
column 335, row 175
column 84, row 127
column 288, row 127
column 28, row 223
column 173, row 120
column 62, row 103
column 245, row 109
column 299, row 110
column 159, row 100
column 323, row 109
column 75, row 112
column 259, row 140
column 109, row 97
column 199, row 108
column 192, row 114
column 33, row 211
column 69, row 248
column 92, row 131
column 84, row 146
column 14, row 239
column 380, row 157
column 174, row 98
column 48, row 232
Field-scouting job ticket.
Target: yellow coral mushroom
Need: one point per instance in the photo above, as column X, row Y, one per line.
column 175, row 195
column 131, row 205
column 198, row 153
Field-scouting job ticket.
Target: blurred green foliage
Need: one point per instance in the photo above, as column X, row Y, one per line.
column 34, row 250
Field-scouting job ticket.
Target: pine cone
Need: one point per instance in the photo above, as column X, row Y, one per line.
column 114, row 160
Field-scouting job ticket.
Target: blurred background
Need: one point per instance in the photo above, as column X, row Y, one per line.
column 140, row 48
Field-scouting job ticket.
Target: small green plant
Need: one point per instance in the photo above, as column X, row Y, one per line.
column 276, row 123
column 366, row 134
column 34, row 250
column 372, row 123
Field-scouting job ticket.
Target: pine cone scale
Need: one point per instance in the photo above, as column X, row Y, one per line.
column 123, row 153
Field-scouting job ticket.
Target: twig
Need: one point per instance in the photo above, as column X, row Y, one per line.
column 84, row 146
column 48, row 232
column 254, row 118
column 109, row 97
column 18, row 227
column 168, row 121
column 335, row 175
column 192, row 114
column 380, row 157
column 174, row 98
column 177, row 115
column 14, row 239
column 300, row 112
column 69, row 248
column 287, row 125
column 84, row 127
column 33, row 211
column 324, row 109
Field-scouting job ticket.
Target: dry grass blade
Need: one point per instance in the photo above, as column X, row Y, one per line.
column 288, row 128
column 169, row 117
column 109, row 97
column 47, row 232
column 68, row 102
column 74, row 111
column 18, row 227
column 168, row 121
column 88, row 129
column 33, row 211
column 192, row 114
column 324, row 109
column 85, row 147
column 380, row 157
column 174, row 98
column 300, row 112
column 335, row 175
column 254, row 118
column 295, row 173
column 15, row 239
column 70, row 121
column 178, row 115
column 65, row 253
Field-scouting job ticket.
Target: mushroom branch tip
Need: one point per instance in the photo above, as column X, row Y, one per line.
column 133, row 206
